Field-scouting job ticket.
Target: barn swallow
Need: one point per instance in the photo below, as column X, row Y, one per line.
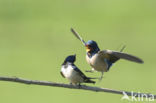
column 73, row 73
column 102, row 60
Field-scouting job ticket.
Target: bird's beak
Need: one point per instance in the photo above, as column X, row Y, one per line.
column 88, row 49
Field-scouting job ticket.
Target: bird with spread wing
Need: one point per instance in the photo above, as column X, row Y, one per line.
column 102, row 60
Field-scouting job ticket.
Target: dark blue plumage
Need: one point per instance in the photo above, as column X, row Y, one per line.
column 70, row 59
column 93, row 46
column 109, row 63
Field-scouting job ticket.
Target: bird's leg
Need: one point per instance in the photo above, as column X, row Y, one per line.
column 102, row 73
column 79, row 85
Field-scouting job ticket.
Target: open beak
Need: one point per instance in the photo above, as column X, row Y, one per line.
column 88, row 49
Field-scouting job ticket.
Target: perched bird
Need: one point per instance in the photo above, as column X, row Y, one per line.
column 72, row 73
column 102, row 60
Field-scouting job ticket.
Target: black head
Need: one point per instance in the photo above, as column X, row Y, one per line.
column 92, row 47
column 70, row 59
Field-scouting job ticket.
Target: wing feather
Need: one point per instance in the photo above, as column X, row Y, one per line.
column 62, row 74
column 114, row 56
column 79, row 71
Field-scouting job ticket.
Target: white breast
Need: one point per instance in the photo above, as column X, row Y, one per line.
column 97, row 63
column 71, row 75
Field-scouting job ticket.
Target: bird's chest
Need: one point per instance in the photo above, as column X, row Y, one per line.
column 92, row 60
column 68, row 72
column 71, row 75
column 97, row 62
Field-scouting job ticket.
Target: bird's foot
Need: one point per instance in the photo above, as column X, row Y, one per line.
column 79, row 85
column 70, row 84
column 100, row 79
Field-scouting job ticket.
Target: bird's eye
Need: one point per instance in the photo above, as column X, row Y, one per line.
column 88, row 46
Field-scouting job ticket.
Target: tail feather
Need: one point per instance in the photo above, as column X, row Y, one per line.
column 89, row 81
column 123, row 48
column 92, row 77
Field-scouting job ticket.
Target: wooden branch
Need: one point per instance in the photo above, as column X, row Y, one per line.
column 82, row 87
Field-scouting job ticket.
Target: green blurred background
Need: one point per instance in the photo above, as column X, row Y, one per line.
column 35, row 38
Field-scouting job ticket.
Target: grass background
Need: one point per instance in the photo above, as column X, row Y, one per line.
column 35, row 38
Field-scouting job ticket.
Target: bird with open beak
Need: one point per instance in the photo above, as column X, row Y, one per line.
column 102, row 60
